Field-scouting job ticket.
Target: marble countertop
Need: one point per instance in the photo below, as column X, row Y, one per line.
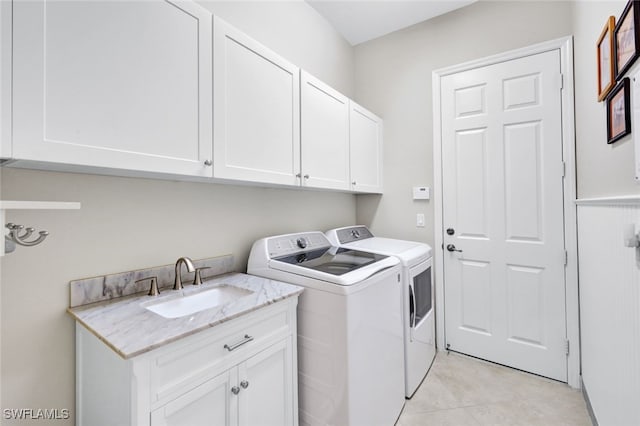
column 126, row 326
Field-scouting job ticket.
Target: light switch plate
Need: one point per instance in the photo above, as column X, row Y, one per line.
column 420, row 220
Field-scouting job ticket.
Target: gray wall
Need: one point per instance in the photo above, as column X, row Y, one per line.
column 603, row 170
column 129, row 223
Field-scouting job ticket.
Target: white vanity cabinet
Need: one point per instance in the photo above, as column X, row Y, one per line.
column 256, row 111
column 366, row 133
column 113, row 85
column 239, row 373
column 324, row 135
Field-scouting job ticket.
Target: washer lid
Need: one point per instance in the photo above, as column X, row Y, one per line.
column 332, row 260
column 347, row 268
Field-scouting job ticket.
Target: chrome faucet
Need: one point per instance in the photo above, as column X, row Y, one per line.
column 177, row 284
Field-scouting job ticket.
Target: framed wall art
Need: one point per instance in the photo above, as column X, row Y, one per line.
column 619, row 112
column 626, row 38
column 604, row 52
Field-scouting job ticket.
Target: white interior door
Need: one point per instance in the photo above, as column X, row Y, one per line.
column 502, row 171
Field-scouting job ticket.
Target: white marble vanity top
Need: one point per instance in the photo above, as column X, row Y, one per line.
column 130, row 329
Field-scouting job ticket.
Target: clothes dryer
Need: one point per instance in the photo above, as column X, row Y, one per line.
column 417, row 295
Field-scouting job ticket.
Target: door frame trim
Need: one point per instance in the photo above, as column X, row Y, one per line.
column 565, row 46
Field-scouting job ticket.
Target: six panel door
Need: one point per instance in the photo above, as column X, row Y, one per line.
column 503, row 202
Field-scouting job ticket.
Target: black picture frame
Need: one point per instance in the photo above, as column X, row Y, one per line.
column 626, row 36
column 619, row 111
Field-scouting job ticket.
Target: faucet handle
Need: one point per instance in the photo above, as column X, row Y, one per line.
column 197, row 280
column 153, row 289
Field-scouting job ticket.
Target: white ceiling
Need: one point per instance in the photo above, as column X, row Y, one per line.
column 362, row 20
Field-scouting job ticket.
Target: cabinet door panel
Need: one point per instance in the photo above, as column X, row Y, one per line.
column 257, row 111
column 211, row 403
column 325, row 135
column 113, row 84
column 5, row 78
column 268, row 398
column 366, row 150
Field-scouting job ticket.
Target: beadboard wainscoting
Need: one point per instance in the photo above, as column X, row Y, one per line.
column 610, row 308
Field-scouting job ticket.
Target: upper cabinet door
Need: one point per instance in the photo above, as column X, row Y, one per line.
column 366, row 150
column 256, row 111
column 5, row 78
column 325, row 135
column 114, row 84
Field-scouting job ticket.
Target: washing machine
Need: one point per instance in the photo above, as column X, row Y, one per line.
column 417, row 295
column 350, row 356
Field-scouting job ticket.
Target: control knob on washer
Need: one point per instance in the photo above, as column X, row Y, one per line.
column 302, row 243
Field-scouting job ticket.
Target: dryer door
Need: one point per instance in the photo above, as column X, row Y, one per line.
column 421, row 302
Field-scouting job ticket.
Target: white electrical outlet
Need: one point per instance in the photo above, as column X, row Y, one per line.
column 420, row 220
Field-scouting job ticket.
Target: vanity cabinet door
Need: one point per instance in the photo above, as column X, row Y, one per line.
column 324, row 137
column 212, row 403
column 256, row 111
column 267, row 387
column 366, row 150
column 118, row 85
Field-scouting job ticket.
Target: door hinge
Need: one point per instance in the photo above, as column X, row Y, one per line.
column 561, row 81
column 566, row 347
column 566, row 258
column 564, row 169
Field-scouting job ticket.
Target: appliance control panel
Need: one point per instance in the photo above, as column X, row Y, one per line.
column 297, row 243
column 354, row 233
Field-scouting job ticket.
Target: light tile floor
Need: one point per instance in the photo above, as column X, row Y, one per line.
column 464, row 391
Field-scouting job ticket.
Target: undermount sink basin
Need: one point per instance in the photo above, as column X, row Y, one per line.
column 207, row 299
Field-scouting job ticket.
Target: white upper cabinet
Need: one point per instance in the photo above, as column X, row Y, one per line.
column 5, row 79
column 256, row 111
column 366, row 150
column 325, row 135
column 164, row 89
column 113, row 84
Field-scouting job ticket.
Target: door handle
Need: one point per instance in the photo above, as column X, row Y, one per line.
column 235, row 346
column 451, row 247
column 412, row 308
